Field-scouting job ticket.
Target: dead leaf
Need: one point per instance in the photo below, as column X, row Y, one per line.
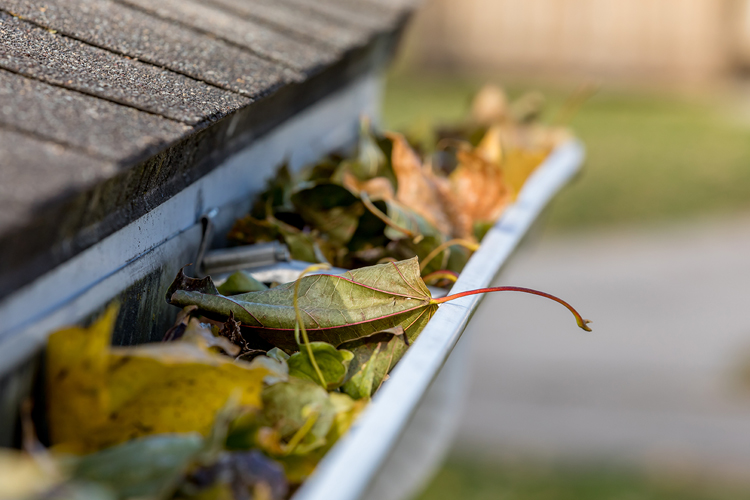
column 416, row 189
column 99, row 395
column 180, row 324
column 231, row 331
column 481, row 192
column 377, row 188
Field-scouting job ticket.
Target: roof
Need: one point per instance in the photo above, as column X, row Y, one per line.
column 108, row 108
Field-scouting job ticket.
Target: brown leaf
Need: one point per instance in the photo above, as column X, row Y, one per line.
column 377, row 188
column 416, row 187
column 231, row 330
column 480, row 190
column 178, row 329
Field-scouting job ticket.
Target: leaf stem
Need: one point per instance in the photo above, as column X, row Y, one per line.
column 440, row 248
column 582, row 323
column 436, row 276
column 380, row 215
column 302, row 432
column 301, row 324
column 574, row 102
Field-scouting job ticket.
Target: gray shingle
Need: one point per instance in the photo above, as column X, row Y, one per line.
column 247, row 24
column 35, row 52
column 137, row 34
column 305, row 23
column 353, row 13
column 400, row 6
column 101, row 128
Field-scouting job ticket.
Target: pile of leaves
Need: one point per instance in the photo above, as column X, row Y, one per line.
column 392, row 199
column 179, row 419
column 253, row 385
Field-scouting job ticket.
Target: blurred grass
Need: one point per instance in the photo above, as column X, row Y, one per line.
column 650, row 157
column 483, row 481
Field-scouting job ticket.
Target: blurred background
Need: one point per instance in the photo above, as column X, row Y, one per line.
column 651, row 242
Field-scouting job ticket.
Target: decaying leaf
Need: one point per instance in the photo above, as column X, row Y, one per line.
column 415, row 189
column 336, row 308
column 333, row 364
column 377, row 188
column 519, row 164
column 202, row 335
column 240, row 282
column 180, row 325
column 481, row 192
column 299, row 466
column 330, row 208
column 374, row 356
column 301, row 412
column 147, row 467
column 99, row 396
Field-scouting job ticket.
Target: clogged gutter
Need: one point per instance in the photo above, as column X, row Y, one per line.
column 256, row 381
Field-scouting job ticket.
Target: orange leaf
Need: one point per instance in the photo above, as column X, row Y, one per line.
column 417, row 189
column 481, row 193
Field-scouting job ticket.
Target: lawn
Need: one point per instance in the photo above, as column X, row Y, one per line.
column 484, row 481
column 650, row 157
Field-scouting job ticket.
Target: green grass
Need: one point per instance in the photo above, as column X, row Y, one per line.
column 650, row 157
column 482, row 481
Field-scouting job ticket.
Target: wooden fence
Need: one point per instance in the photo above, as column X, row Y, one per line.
column 687, row 40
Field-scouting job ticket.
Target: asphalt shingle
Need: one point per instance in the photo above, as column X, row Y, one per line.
column 297, row 22
column 60, row 60
column 98, row 127
column 267, row 28
column 136, row 34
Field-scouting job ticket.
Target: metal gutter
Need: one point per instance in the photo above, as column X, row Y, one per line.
column 353, row 468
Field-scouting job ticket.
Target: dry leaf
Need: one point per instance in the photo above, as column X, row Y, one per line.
column 491, row 146
column 499, row 145
column 484, row 194
column 415, row 189
column 519, row 165
column 377, row 188
column 101, row 395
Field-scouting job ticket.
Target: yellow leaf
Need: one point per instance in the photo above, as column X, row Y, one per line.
column 77, row 363
column 517, row 156
column 102, row 396
column 518, row 165
column 490, row 147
